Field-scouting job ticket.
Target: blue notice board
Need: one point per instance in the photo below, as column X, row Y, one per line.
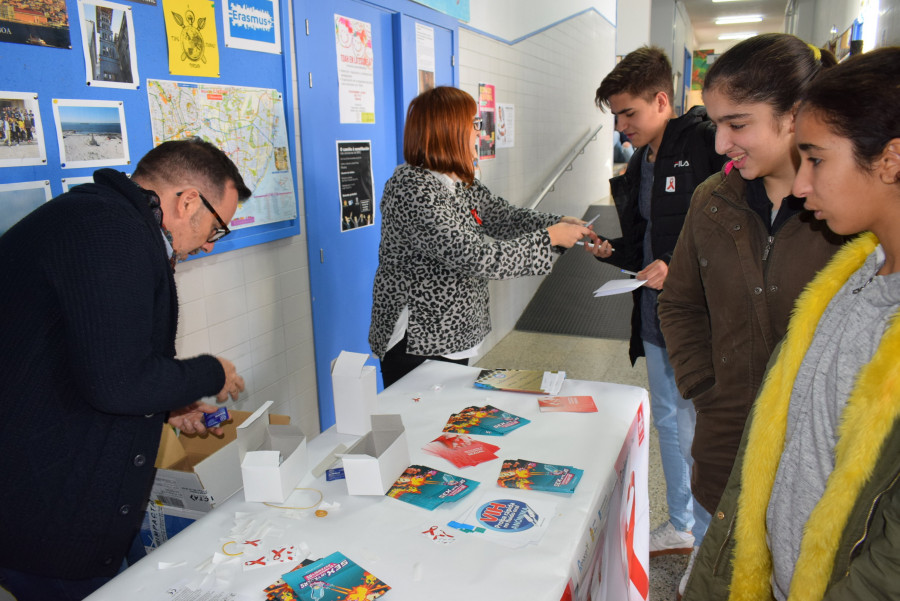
column 131, row 37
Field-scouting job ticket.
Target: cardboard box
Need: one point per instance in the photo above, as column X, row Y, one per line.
column 355, row 393
column 376, row 460
column 195, row 473
column 162, row 522
column 273, row 457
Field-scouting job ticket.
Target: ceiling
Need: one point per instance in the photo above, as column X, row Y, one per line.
column 703, row 14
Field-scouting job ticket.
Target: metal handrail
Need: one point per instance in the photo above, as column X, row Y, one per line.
column 566, row 164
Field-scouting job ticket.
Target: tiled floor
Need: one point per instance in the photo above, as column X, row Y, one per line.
column 606, row 361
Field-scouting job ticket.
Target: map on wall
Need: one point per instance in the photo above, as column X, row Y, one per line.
column 248, row 124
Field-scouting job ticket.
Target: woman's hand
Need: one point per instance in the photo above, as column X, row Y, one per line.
column 566, row 234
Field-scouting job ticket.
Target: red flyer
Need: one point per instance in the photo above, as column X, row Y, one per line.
column 461, row 450
column 574, row 404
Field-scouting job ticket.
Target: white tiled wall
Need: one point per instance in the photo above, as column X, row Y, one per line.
column 252, row 307
column 551, row 78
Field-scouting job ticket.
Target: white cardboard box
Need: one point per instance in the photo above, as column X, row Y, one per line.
column 377, row 459
column 197, row 473
column 272, row 457
column 355, row 393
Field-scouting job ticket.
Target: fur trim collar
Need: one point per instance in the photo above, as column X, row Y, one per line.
column 865, row 423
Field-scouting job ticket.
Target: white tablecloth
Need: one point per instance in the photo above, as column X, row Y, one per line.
column 385, row 536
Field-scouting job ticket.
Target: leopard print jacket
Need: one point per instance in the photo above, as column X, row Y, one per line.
column 439, row 247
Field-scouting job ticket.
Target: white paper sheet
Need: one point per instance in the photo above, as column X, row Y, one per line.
column 618, row 287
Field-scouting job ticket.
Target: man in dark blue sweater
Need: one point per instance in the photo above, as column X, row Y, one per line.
column 88, row 317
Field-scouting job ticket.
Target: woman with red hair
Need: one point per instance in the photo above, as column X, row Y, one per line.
column 443, row 236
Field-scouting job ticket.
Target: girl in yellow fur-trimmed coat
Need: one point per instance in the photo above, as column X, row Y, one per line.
column 812, row 508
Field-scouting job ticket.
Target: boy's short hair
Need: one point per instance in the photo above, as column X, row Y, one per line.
column 642, row 73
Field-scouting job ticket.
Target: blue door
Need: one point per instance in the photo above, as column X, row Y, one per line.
column 342, row 261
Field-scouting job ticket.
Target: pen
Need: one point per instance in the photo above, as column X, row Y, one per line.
column 588, row 223
column 628, row 272
column 581, row 243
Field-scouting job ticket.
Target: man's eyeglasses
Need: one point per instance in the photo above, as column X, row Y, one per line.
column 219, row 232
column 476, row 123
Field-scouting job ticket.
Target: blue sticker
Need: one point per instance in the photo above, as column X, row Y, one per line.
column 507, row 515
column 336, row 473
column 214, row 419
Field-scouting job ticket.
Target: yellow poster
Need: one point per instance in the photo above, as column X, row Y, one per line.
column 191, row 36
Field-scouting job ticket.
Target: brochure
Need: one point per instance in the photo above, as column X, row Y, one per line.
column 461, row 450
column 487, row 421
column 575, row 404
column 334, row 578
column 520, row 380
column 531, row 475
column 428, row 487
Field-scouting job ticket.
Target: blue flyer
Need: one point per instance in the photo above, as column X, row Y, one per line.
column 334, row 578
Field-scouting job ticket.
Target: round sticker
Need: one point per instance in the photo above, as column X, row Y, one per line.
column 507, row 515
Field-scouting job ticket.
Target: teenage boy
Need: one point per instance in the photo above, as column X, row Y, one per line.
column 673, row 156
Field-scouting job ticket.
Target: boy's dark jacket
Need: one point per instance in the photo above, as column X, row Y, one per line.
column 686, row 157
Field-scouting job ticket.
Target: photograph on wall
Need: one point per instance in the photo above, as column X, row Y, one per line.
column 191, row 37
column 506, row 125
column 19, row 199
column 21, row 134
column 36, row 22
column 90, row 133
column 257, row 142
column 425, row 56
column 355, row 182
column 486, row 104
column 110, row 56
column 252, row 25
column 356, row 70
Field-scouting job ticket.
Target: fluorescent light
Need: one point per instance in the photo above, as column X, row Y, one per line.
column 717, row 1
column 737, row 36
column 738, row 19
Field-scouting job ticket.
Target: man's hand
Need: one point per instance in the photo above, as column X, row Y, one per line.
column 190, row 419
column 234, row 384
column 600, row 249
column 655, row 273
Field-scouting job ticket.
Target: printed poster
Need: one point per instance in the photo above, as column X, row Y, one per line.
column 248, row 124
column 19, row 199
column 425, row 56
column 43, row 23
column 355, row 184
column 701, row 62
column 506, row 125
column 91, row 133
column 191, row 36
column 487, row 142
column 21, row 134
column 110, row 53
column 252, row 25
column 356, row 70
